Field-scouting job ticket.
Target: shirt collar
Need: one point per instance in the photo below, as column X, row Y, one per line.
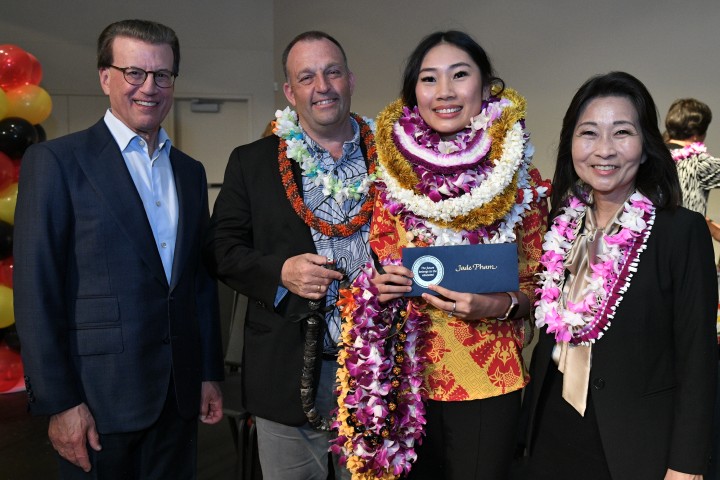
column 124, row 136
column 349, row 146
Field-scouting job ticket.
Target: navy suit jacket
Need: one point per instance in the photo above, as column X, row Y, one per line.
column 97, row 319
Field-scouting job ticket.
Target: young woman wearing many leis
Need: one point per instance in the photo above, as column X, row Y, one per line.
column 445, row 371
column 624, row 373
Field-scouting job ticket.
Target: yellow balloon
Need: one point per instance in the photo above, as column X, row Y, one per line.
column 3, row 104
column 8, row 199
column 7, row 314
column 29, row 102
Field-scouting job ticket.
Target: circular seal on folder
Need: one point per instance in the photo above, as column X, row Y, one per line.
column 427, row 270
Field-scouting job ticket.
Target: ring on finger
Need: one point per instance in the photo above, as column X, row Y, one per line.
column 319, row 288
column 451, row 313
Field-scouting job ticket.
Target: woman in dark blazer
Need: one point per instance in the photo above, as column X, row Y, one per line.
column 624, row 373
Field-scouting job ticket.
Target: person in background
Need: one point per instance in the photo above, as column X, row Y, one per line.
column 456, row 169
column 117, row 316
column 686, row 126
column 290, row 222
column 626, row 367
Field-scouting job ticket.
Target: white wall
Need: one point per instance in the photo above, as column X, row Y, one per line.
column 543, row 48
column 226, row 46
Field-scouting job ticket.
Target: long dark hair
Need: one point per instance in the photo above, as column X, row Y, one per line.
column 656, row 178
column 459, row 39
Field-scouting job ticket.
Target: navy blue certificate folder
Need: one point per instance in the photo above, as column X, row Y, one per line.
column 484, row 268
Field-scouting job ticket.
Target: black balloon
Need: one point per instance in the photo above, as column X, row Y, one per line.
column 6, row 239
column 16, row 135
column 42, row 135
column 11, row 338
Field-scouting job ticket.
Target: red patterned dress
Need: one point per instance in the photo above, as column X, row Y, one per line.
column 477, row 359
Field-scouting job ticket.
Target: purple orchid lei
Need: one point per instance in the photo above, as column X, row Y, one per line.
column 449, row 167
column 381, row 412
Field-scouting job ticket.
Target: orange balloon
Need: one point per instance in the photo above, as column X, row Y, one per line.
column 8, row 199
column 3, row 104
column 29, row 102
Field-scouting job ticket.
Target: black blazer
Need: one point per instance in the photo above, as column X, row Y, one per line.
column 97, row 319
column 653, row 373
column 253, row 230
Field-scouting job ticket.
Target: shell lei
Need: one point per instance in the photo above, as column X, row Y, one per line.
column 381, row 412
column 585, row 322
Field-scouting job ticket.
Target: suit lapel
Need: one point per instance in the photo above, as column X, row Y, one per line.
column 186, row 186
column 105, row 168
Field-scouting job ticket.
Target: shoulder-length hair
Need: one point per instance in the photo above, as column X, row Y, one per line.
column 459, row 39
column 656, row 177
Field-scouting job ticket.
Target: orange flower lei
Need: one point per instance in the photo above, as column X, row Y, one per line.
column 296, row 200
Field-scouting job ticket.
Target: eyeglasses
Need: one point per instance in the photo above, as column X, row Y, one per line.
column 137, row 76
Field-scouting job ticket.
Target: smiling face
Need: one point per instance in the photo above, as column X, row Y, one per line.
column 449, row 89
column 141, row 107
column 319, row 86
column 607, row 148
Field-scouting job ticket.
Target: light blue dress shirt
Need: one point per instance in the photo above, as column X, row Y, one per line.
column 153, row 177
column 349, row 253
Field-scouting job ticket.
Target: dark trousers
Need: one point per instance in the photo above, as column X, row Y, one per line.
column 165, row 450
column 566, row 446
column 468, row 440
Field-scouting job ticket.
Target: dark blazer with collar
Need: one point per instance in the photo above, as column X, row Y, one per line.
column 653, row 373
column 97, row 319
column 253, row 230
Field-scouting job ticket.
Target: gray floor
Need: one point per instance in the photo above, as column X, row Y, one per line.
column 26, row 454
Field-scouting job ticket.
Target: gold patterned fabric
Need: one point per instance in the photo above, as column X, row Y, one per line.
column 471, row 360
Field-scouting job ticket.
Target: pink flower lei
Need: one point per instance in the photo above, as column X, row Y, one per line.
column 447, row 168
column 586, row 321
column 381, row 412
column 695, row 148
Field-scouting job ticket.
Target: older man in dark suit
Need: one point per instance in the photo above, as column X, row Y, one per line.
column 116, row 313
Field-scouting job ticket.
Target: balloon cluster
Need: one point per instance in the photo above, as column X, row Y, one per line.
column 23, row 106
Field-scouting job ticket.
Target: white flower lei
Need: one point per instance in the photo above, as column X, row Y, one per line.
column 288, row 128
column 586, row 321
column 516, row 150
column 506, row 230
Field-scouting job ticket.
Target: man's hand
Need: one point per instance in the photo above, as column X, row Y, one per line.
column 305, row 275
column 70, row 430
column 211, row 403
